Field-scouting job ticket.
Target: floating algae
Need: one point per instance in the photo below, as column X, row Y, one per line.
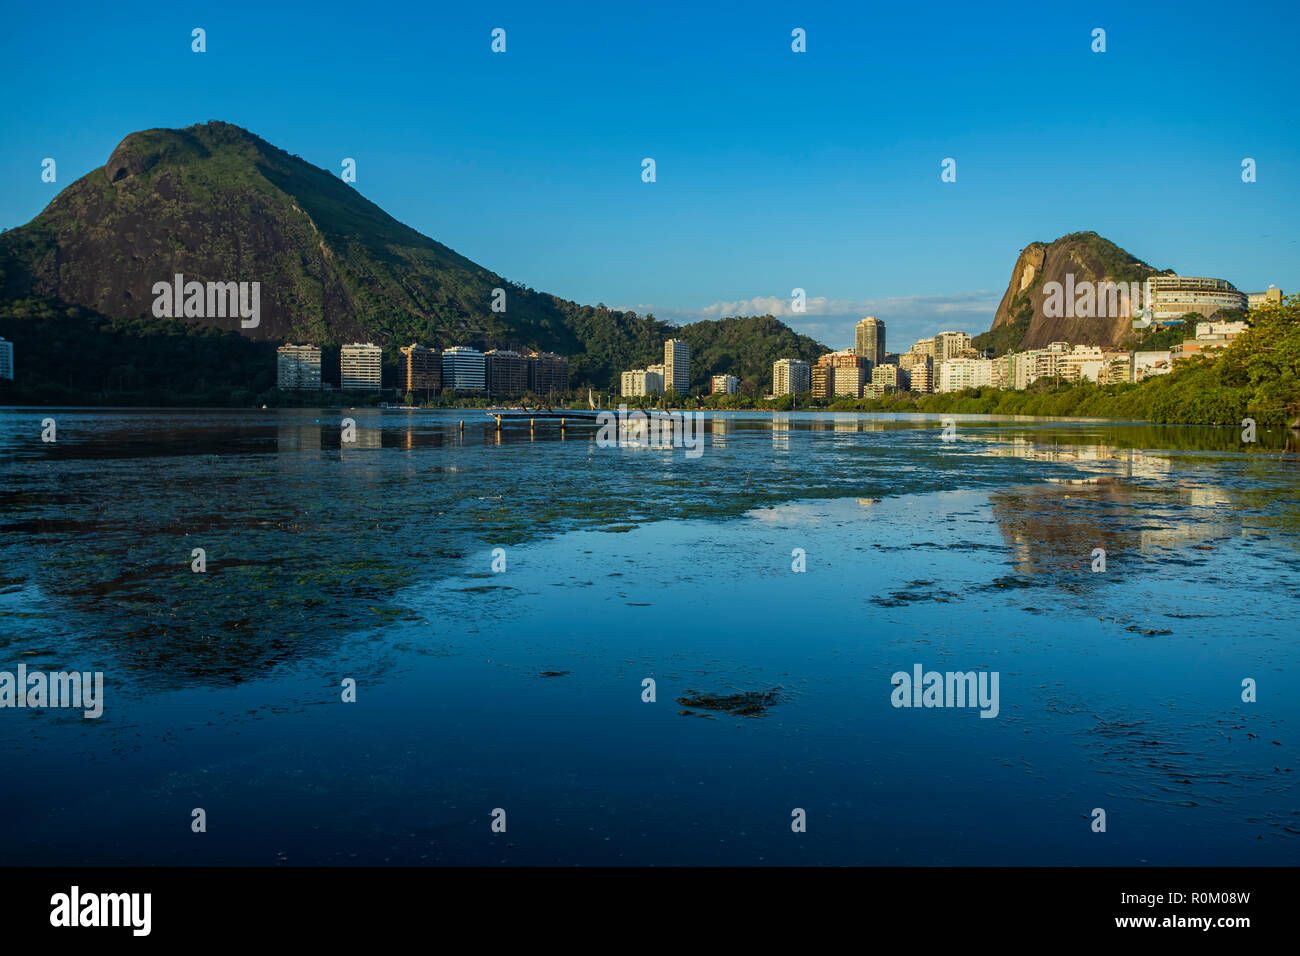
column 750, row 703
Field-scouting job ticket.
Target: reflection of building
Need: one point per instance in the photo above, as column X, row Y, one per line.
column 791, row 377
column 464, row 369
column 420, row 369
column 677, row 366
column 290, row 437
column 296, row 366
column 869, row 340
column 359, row 365
column 1172, row 297
column 505, row 372
column 7, row 360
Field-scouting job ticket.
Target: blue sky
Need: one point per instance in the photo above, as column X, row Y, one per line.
column 775, row 170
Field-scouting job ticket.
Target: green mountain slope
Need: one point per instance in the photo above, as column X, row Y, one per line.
column 216, row 203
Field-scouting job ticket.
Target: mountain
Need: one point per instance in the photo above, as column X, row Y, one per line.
column 1021, row 322
column 215, row 203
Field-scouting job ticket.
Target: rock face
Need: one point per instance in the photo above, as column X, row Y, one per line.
column 218, row 204
column 1022, row 322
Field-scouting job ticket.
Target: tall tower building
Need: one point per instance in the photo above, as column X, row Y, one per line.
column 677, row 366
column 869, row 340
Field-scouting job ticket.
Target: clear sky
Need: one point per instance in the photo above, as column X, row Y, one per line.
column 775, row 169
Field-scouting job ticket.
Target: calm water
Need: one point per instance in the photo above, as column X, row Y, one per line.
column 522, row 690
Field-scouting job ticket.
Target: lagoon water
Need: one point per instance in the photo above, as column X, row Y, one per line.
column 522, row 690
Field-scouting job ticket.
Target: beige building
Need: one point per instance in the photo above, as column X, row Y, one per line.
column 640, row 381
column 847, row 380
column 920, row 377
column 1270, row 296
column 791, row 377
column 949, row 345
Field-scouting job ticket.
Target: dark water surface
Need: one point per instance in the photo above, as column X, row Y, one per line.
column 522, row 690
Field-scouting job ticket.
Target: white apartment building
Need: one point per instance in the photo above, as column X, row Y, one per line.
column 464, row 369
column 958, row 373
column 725, row 384
column 640, row 381
column 359, row 366
column 6, row 359
column 677, row 366
column 791, row 377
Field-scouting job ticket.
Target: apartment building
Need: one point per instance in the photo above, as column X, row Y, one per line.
column 360, row 365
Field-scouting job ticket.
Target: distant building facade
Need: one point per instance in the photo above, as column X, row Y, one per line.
column 791, row 377
column 821, row 380
column 640, row 381
column 297, row 366
column 887, row 375
column 847, row 380
column 464, row 369
column 420, row 369
column 7, row 360
column 677, row 366
column 547, row 373
column 869, row 340
column 920, row 377
column 949, row 345
column 1172, row 297
column 724, row 385
column 360, row 364
column 1270, row 296
column 505, row 372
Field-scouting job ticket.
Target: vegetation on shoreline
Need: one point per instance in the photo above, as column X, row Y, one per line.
column 83, row 358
